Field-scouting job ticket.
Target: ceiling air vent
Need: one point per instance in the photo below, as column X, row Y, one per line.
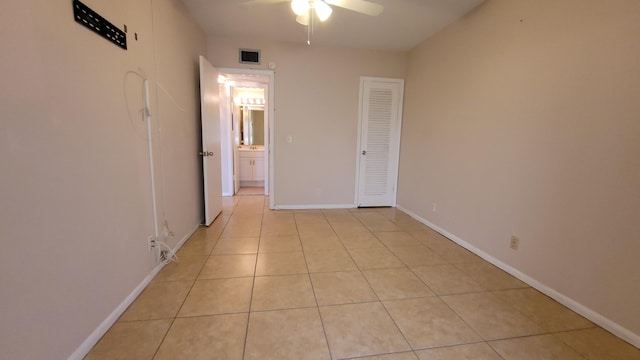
column 249, row 56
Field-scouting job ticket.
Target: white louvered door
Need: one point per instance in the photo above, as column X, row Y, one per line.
column 379, row 141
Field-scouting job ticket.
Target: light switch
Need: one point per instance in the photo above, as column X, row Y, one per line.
column 289, row 139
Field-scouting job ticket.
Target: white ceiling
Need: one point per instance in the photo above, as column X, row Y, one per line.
column 402, row 25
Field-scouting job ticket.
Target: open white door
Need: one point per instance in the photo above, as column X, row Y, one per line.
column 379, row 141
column 211, row 161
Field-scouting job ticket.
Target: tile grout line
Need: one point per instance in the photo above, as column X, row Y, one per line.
column 175, row 317
column 438, row 295
column 253, row 282
column 379, row 301
column 315, row 297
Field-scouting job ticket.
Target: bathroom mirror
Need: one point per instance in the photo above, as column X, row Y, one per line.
column 252, row 126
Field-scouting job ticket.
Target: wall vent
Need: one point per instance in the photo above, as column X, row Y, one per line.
column 249, row 56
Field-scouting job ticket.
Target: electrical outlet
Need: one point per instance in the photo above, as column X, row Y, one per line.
column 513, row 244
column 151, row 242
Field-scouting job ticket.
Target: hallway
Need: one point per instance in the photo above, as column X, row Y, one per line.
column 342, row 284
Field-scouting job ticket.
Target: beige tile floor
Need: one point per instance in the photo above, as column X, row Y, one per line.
column 343, row 284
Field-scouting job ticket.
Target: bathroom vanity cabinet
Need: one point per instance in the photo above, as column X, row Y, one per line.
column 251, row 165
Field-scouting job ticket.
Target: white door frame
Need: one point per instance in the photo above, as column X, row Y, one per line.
column 270, row 115
column 226, row 99
column 235, row 141
column 394, row 152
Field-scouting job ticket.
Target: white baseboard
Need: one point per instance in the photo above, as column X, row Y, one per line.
column 593, row 316
column 186, row 237
column 314, row 207
column 102, row 329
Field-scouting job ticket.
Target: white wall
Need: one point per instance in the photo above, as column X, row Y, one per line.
column 316, row 103
column 75, row 201
column 523, row 118
column 179, row 42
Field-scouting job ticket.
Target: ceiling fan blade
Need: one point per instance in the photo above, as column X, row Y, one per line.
column 303, row 19
column 361, row 6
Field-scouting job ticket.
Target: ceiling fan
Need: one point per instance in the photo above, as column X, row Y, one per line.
column 306, row 9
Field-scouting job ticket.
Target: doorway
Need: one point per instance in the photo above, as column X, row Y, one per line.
column 250, row 147
column 246, row 135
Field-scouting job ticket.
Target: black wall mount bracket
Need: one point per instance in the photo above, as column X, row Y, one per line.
column 93, row 21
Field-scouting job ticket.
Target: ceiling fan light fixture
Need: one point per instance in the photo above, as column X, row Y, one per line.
column 303, row 19
column 300, row 7
column 322, row 10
